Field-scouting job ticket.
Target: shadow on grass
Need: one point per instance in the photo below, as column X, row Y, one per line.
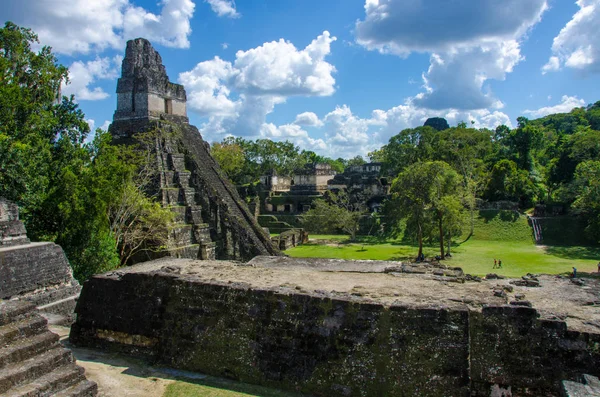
column 571, row 252
column 189, row 387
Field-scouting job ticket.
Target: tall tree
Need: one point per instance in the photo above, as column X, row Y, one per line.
column 425, row 195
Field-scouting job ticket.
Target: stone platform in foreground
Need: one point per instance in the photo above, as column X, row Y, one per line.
column 347, row 328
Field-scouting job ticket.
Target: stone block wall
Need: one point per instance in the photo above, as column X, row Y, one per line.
column 329, row 346
column 30, row 267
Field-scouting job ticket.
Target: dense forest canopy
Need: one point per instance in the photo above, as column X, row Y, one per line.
column 550, row 160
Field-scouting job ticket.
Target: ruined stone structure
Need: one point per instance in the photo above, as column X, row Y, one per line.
column 295, row 194
column 363, row 183
column 34, row 272
column 212, row 220
column 290, row 238
column 32, row 361
column 346, row 328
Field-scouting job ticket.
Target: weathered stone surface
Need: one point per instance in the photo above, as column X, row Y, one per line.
column 588, row 387
column 36, row 272
column 327, row 343
column 32, row 361
column 12, row 230
column 216, row 221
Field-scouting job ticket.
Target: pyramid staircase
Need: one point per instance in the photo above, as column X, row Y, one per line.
column 190, row 236
column 32, row 361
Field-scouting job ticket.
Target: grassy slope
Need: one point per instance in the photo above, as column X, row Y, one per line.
column 502, row 235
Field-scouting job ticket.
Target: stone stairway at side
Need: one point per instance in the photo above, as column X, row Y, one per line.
column 190, row 237
column 32, row 361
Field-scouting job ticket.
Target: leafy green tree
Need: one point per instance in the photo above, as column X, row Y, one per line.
column 334, row 212
column 357, row 160
column 426, row 195
column 408, row 147
column 39, row 133
column 466, row 149
column 230, row 157
column 587, row 187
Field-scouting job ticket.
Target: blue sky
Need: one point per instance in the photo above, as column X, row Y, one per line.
column 339, row 77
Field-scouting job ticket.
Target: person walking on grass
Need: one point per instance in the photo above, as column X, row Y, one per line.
column 496, row 264
column 499, row 264
column 574, row 272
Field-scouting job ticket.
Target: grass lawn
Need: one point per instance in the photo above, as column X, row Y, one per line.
column 474, row 256
column 217, row 387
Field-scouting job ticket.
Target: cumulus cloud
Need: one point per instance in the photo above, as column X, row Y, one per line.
column 565, row 106
column 308, row 119
column 279, row 68
column 237, row 96
column 577, row 45
column 463, row 55
column 82, row 75
column 347, row 134
column 224, row 8
column 82, row 26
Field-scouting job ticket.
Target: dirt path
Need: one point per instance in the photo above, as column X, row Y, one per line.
column 115, row 374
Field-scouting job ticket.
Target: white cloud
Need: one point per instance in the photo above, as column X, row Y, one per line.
column 577, row 45
column 347, row 134
column 278, row 68
column 171, row 28
column 82, row 75
column 225, row 45
column 456, row 79
column 224, row 8
column 207, row 88
column 308, row 119
column 83, row 26
column 237, row 97
column 565, row 106
column 552, row 65
column 463, row 55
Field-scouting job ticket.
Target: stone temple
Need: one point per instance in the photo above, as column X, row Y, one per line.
column 212, row 220
column 318, row 326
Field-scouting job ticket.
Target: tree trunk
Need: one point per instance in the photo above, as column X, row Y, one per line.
column 420, row 243
column 449, row 241
column 441, row 236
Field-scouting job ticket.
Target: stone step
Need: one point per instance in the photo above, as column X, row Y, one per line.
column 24, row 349
column 84, row 388
column 180, row 212
column 172, row 196
column 183, row 178
column 202, row 233
column 188, row 252
column 176, row 162
column 11, row 311
column 168, row 179
column 28, row 326
column 50, row 383
column 181, row 235
column 195, row 214
column 18, row 373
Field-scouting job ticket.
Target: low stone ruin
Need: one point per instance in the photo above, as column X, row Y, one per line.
column 32, row 361
column 35, row 272
column 290, row 238
column 346, row 328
